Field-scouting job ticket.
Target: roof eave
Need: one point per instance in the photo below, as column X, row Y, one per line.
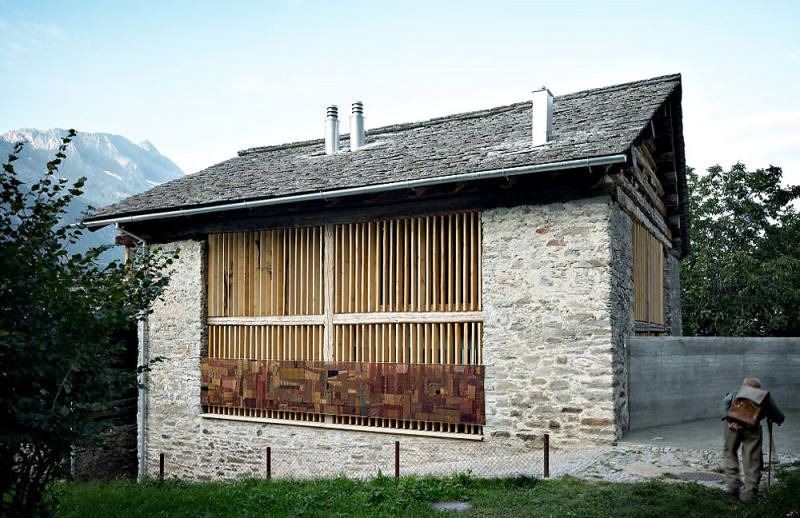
column 355, row 191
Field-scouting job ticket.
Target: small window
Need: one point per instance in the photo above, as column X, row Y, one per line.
column 648, row 282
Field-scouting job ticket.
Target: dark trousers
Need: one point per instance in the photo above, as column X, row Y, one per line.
column 749, row 439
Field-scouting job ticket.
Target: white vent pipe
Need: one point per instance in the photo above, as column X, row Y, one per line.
column 542, row 116
column 332, row 131
column 357, row 136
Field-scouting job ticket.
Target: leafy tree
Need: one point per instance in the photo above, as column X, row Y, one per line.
column 59, row 314
column 743, row 275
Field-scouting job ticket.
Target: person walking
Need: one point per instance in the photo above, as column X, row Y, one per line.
column 744, row 410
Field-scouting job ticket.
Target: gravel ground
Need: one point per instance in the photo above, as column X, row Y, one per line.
column 633, row 463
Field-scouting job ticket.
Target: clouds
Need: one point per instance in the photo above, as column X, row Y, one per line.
column 21, row 39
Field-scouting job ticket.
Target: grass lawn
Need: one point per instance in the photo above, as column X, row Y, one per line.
column 412, row 496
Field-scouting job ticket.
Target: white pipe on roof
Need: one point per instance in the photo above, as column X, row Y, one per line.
column 332, row 130
column 357, row 134
column 542, row 113
column 367, row 189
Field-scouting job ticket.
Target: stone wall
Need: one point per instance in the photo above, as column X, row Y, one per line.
column 552, row 290
column 622, row 320
column 549, row 351
column 177, row 334
column 672, row 295
column 110, row 453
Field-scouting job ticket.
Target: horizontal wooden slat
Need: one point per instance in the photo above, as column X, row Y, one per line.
column 290, row 320
column 401, row 427
column 353, row 318
column 408, row 317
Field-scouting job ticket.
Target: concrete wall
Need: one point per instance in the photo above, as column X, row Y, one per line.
column 552, row 288
column 674, row 380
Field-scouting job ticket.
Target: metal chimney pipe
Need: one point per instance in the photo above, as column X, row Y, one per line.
column 542, row 116
column 332, row 131
column 357, row 126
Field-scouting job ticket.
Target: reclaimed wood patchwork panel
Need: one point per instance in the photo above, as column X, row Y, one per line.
column 437, row 393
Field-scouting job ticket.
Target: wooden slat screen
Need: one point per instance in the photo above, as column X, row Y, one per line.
column 402, row 291
column 648, row 277
column 451, row 343
column 265, row 342
column 415, row 264
column 267, row 273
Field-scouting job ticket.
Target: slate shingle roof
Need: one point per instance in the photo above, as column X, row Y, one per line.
column 591, row 123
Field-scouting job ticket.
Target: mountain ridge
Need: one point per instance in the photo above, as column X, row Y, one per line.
column 114, row 168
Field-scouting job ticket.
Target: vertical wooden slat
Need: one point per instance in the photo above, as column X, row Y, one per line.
column 212, row 278
column 391, row 292
column 276, row 272
column 428, row 262
column 406, row 264
column 352, row 258
column 385, row 267
column 456, row 279
column 479, row 261
column 368, row 259
column 265, row 276
column 272, row 274
column 464, row 247
column 413, row 258
column 452, row 255
column 474, row 262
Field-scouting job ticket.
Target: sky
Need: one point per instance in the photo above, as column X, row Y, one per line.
column 203, row 79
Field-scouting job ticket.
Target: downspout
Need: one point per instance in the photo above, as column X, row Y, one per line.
column 143, row 361
column 367, row 189
column 141, row 380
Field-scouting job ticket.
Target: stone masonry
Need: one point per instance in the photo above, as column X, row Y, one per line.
column 672, row 295
column 552, row 360
column 557, row 302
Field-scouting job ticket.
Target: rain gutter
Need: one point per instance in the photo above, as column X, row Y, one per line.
column 354, row 191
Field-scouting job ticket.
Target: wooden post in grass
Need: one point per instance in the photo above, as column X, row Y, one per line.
column 269, row 462
column 396, row 459
column 161, row 466
column 547, row 455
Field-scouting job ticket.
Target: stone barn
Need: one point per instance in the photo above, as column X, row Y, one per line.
column 463, row 284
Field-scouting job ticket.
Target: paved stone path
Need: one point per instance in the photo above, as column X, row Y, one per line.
column 634, row 462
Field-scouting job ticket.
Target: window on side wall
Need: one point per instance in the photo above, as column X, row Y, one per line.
column 648, row 282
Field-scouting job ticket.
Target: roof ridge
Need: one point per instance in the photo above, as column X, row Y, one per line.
column 462, row 116
column 623, row 86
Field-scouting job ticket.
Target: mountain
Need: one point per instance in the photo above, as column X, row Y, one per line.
column 114, row 167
